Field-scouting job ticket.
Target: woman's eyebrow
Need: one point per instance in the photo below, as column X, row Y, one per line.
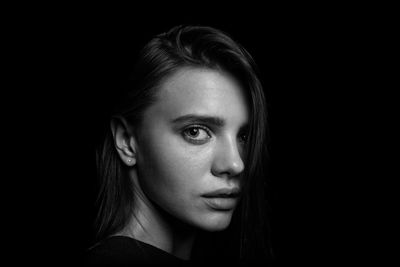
column 193, row 118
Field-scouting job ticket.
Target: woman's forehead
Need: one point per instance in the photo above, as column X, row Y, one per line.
column 202, row 91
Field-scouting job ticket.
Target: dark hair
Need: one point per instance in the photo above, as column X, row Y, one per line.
column 190, row 46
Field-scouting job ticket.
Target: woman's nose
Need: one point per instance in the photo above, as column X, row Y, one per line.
column 227, row 161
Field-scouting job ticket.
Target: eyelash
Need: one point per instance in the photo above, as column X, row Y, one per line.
column 194, row 140
column 243, row 138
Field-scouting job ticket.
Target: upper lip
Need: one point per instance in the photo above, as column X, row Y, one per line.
column 223, row 192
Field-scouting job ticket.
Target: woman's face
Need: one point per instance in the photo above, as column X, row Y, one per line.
column 190, row 147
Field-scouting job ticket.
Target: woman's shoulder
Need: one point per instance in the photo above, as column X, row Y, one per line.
column 115, row 249
column 126, row 250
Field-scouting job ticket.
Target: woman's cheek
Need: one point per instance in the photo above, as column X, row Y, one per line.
column 177, row 170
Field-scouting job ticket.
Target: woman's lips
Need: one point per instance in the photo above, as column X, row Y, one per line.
column 223, row 192
column 223, row 199
column 221, row 203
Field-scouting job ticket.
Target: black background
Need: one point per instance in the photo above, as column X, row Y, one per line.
column 313, row 66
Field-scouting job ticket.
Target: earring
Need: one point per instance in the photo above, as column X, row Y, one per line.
column 129, row 160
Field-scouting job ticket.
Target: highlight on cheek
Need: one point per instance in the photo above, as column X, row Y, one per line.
column 196, row 134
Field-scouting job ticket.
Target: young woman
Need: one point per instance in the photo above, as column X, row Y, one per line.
column 181, row 169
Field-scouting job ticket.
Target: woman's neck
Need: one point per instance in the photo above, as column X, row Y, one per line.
column 152, row 225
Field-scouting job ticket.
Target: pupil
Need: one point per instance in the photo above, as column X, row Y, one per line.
column 194, row 131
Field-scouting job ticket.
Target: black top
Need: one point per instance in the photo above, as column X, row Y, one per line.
column 126, row 250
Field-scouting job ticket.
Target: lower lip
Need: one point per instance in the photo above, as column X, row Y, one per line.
column 221, row 204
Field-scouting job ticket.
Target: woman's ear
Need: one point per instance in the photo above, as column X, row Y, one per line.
column 124, row 140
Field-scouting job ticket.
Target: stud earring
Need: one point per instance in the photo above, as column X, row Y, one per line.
column 129, row 160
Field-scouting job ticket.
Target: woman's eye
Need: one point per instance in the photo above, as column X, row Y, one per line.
column 196, row 134
column 243, row 138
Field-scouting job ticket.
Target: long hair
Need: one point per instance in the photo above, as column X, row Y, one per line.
column 189, row 46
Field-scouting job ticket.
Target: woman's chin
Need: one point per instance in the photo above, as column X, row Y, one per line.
column 216, row 221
